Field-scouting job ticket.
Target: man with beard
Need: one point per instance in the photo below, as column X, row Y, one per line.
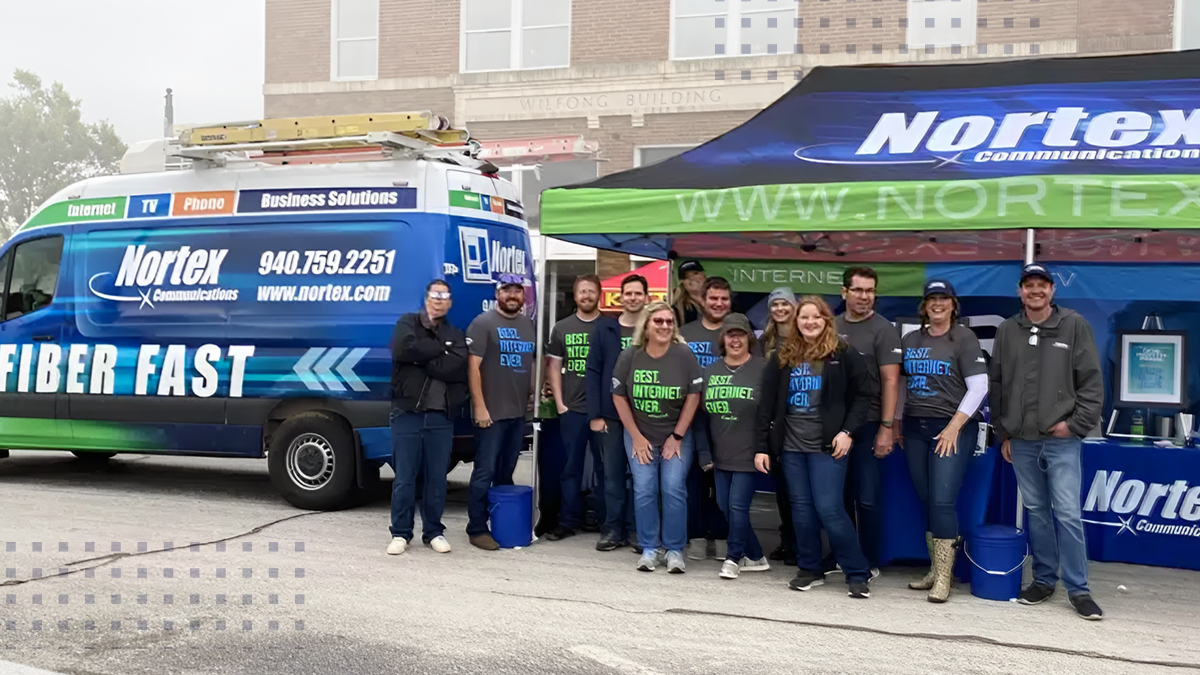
column 707, row 526
column 500, row 375
column 1047, row 394
column 610, row 338
column 566, row 366
column 879, row 342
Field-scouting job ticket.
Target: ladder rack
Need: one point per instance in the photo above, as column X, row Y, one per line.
column 312, row 140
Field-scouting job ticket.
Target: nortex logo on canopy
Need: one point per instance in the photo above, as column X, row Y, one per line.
column 1065, row 134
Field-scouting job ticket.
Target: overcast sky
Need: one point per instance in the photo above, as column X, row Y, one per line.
column 119, row 56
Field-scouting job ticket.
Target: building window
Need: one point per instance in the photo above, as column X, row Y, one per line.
column 355, row 31
column 941, row 23
column 515, row 34
column 653, row 154
column 532, row 180
column 703, row 28
column 1187, row 24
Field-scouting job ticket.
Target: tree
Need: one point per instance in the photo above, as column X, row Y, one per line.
column 45, row 146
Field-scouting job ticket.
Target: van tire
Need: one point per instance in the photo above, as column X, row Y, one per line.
column 93, row 456
column 311, row 462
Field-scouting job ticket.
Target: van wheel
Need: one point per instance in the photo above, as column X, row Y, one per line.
column 311, row 461
column 93, row 456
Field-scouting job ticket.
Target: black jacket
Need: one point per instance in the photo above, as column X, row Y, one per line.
column 845, row 398
column 602, row 357
column 1062, row 372
column 420, row 354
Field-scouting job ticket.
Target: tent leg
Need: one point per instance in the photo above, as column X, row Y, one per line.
column 1030, row 245
column 540, row 370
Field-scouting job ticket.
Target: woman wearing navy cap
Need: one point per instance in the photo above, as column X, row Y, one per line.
column 945, row 380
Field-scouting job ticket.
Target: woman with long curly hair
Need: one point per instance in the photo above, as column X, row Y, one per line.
column 656, row 390
column 815, row 392
column 945, row 381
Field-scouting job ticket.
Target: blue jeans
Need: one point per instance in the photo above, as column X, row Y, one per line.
column 1050, row 477
column 577, row 437
column 938, row 479
column 618, row 497
column 863, row 490
column 667, row 478
column 816, row 487
column 496, row 450
column 735, row 491
column 421, row 444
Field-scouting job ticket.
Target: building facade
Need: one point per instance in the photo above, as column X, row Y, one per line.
column 560, row 91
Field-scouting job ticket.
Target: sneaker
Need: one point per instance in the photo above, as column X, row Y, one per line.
column 1086, row 607
column 780, row 553
column 697, row 549
column 610, row 543
column 649, row 561
column 806, row 580
column 439, row 544
column 675, row 564
column 637, row 548
column 729, row 569
column 859, row 589
column 748, row 565
column 836, row 569
column 397, row 546
column 560, row 532
column 875, row 572
column 1035, row 594
column 485, row 542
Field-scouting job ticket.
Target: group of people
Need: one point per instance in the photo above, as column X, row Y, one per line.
column 683, row 405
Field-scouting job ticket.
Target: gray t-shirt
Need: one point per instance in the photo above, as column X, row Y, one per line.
column 657, row 388
column 879, row 343
column 703, row 342
column 506, row 347
column 936, row 368
column 626, row 337
column 731, row 400
column 802, row 425
column 570, row 340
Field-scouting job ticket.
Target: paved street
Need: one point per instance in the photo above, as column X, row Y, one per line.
column 248, row 584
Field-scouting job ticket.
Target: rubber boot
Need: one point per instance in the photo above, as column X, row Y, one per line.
column 944, row 551
column 927, row 583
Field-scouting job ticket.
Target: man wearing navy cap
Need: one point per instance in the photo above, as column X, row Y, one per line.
column 500, row 375
column 1047, row 393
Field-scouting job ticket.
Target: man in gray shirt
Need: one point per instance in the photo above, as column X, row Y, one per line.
column 705, row 519
column 500, row 374
column 566, row 365
column 879, row 342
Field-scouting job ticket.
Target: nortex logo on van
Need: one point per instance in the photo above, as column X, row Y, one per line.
column 146, row 272
column 1063, row 134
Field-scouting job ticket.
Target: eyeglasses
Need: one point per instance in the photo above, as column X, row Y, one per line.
column 663, row 322
column 439, row 295
column 861, row 291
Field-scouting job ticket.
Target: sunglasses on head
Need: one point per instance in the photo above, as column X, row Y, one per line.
column 663, row 322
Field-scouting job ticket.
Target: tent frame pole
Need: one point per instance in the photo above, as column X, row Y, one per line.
column 1030, row 246
column 540, row 370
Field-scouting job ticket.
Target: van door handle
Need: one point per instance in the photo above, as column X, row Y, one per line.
column 43, row 338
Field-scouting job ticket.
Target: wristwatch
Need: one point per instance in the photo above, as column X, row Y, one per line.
column 676, row 436
column 887, row 424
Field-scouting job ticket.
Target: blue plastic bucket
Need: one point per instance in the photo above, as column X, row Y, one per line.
column 511, row 514
column 997, row 554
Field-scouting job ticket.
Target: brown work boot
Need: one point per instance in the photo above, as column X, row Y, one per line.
column 485, row 542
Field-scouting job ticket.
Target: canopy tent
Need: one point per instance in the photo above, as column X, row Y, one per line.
column 657, row 274
column 929, row 163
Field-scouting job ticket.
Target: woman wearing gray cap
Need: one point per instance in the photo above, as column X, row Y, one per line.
column 724, row 435
column 781, row 307
column 945, row 380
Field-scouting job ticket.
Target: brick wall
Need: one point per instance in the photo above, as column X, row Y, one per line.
column 1107, row 26
column 616, row 31
column 297, row 40
column 440, row 101
column 418, row 38
column 1020, row 21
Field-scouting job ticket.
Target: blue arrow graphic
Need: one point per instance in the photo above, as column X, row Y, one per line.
column 304, row 365
column 323, row 366
column 346, row 369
